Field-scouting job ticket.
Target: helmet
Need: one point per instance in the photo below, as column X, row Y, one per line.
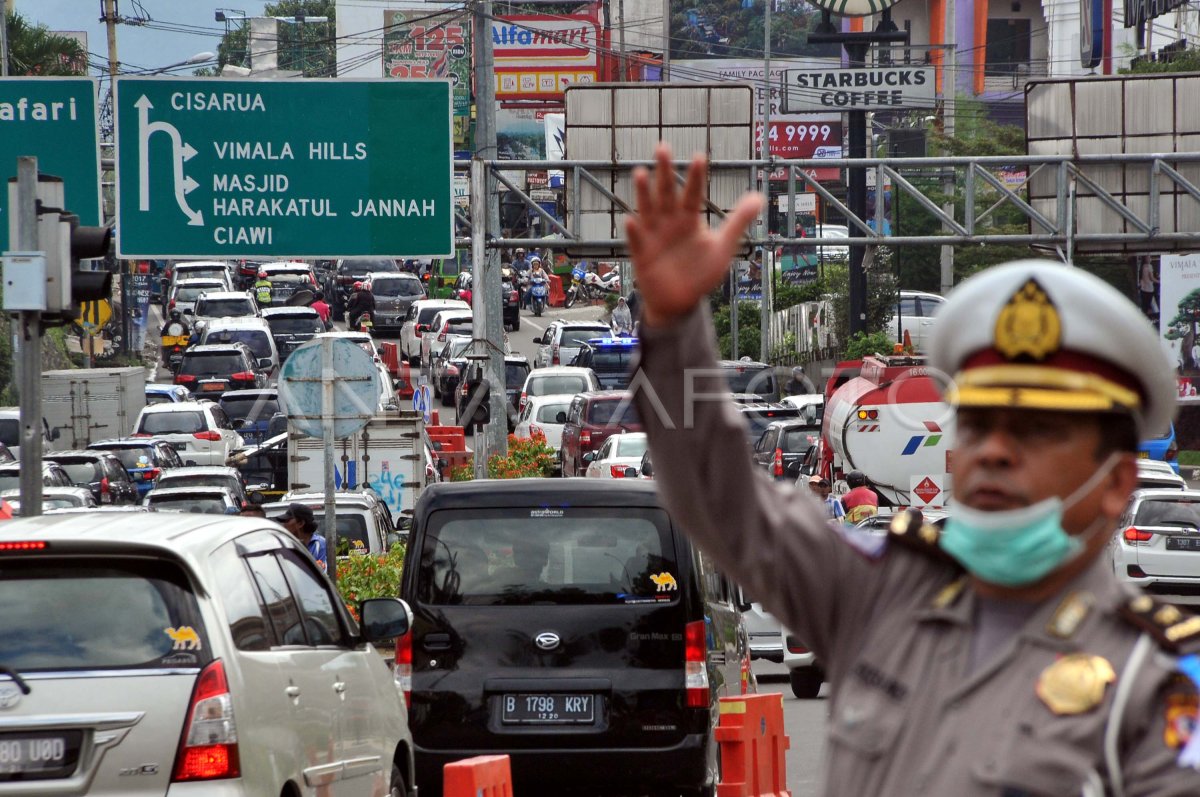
column 358, row 286
column 535, row 259
column 799, row 369
column 262, row 275
column 856, row 478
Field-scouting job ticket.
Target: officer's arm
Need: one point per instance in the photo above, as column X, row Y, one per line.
column 1156, row 760
column 772, row 539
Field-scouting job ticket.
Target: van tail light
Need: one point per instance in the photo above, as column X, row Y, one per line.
column 209, row 748
column 1136, row 535
column 695, row 665
column 150, row 474
column 403, row 671
column 212, row 437
column 184, row 379
column 242, row 376
column 778, row 470
column 554, row 355
column 104, row 486
column 794, row 645
column 585, row 438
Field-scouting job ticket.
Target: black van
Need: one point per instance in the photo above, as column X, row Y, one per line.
column 570, row 625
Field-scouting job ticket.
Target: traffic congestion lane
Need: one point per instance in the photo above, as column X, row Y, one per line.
column 805, row 723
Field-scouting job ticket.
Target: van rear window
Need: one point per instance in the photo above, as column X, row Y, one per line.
column 101, row 612
column 519, row 556
column 617, row 412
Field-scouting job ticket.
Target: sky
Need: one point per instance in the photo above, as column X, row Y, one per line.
column 178, row 28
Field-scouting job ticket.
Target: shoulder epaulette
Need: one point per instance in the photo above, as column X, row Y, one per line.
column 920, row 537
column 1175, row 630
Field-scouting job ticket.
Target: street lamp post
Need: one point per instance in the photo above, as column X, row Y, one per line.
column 198, row 58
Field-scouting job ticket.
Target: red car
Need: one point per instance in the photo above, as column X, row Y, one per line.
column 591, row 418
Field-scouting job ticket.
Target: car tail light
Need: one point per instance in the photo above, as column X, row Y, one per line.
column 418, row 329
column 585, row 438
column 778, row 470
column 402, row 672
column 141, row 434
column 1136, row 535
column 514, row 297
column 521, row 403
column 150, row 474
column 1172, row 452
column 23, row 545
column 184, row 379
column 104, row 485
column 794, row 645
column 242, row 376
column 554, row 354
column 442, row 336
column 209, row 748
column 695, row 665
column 1133, row 571
column 618, row 471
column 210, row 436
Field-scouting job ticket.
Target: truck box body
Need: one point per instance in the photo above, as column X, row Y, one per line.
column 387, row 455
column 90, row 404
column 891, row 423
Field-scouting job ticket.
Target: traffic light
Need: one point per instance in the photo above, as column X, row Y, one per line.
column 88, row 243
column 477, row 409
column 65, row 242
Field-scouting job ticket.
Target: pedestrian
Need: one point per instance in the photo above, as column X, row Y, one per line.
column 861, row 501
column 298, row 519
column 1148, row 286
column 1001, row 655
column 322, row 307
column 622, row 319
column 799, row 384
column 833, row 505
column 634, row 300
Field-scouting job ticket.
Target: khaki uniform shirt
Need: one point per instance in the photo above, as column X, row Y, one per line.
column 892, row 625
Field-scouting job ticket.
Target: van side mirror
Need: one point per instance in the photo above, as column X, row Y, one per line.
column 384, row 619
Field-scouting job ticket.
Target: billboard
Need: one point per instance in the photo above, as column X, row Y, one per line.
column 539, row 55
column 1179, row 317
column 416, row 45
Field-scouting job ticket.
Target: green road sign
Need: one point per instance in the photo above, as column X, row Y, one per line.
column 53, row 119
column 272, row 168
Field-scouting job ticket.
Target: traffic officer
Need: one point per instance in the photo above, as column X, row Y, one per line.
column 1001, row 656
column 262, row 290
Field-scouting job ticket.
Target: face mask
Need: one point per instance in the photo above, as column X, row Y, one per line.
column 1016, row 547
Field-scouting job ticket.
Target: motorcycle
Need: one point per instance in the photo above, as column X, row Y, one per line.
column 538, row 293
column 173, row 347
column 590, row 286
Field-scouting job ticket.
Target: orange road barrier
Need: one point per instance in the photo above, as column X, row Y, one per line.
column 753, row 747
column 389, row 352
column 556, row 298
column 482, row 776
column 403, row 381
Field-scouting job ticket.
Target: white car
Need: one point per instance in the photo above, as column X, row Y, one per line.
column 916, row 311
column 169, row 653
column 563, row 340
column 202, row 500
column 222, row 476
column 444, row 324
column 416, row 324
column 545, row 414
column 185, row 292
column 202, row 269
column 225, row 304
column 387, row 389
column 363, row 521
column 199, row 430
column 1156, row 474
column 1158, row 545
column 556, row 381
column 616, row 456
column 253, row 331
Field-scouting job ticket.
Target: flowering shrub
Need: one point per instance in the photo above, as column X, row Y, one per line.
column 462, row 473
column 370, row 576
column 528, row 458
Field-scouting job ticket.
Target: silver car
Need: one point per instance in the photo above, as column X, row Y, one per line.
column 166, row 654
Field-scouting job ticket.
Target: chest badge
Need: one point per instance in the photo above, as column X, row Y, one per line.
column 1075, row 683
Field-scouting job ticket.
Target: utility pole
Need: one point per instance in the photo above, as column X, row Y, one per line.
column 767, row 274
column 487, row 310
column 114, row 66
column 4, row 41
column 621, row 41
column 666, row 34
column 30, row 334
column 949, row 96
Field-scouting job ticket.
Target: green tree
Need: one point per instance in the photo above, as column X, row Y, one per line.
column 36, row 50
column 310, row 48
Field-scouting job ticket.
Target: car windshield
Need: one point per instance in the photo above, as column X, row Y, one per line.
column 257, row 340
column 224, row 308
column 577, row 337
column 396, row 287
column 177, row 422
column 249, row 408
column 197, row 480
column 212, row 364
column 568, row 384
column 82, row 613
column 1166, row 512
column 515, row 375
column 10, row 432
column 196, row 504
column 606, row 359
column 360, row 266
column 631, row 445
column 548, row 413
column 758, row 380
column 618, row 412
column 522, row 556
column 81, row 471
column 189, row 293
column 131, row 456
column 296, row 325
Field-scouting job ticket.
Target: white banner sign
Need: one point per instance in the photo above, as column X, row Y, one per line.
column 1179, row 317
column 807, row 90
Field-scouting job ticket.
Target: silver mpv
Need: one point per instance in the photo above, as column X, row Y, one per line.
column 187, row 654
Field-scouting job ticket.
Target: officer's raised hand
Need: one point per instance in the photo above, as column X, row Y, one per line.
column 678, row 259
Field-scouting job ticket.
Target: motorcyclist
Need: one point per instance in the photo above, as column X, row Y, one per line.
column 520, row 262
column 361, row 301
column 176, row 335
column 799, row 384
column 536, row 273
column 861, row 502
column 535, row 267
column 322, row 307
column 622, row 319
column 262, row 289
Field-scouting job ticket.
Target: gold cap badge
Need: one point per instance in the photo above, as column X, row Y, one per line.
column 1028, row 325
column 1075, row 683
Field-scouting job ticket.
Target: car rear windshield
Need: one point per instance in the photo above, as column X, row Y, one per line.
column 798, row 440
column 183, row 422
column 81, row 471
column 202, row 273
column 257, row 340
column 189, row 293
column 131, row 455
column 351, row 528
column 360, row 266
column 98, row 612
column 459, row 328
column 195, row 480
column 212, row 364
column 1183, row 514
column 397, row 287
column 605, row 359
column 520, row 556
column 568, row 384
column 618, row 412
column 224, row 308
column 10, row 432
column 548, row 413
column 296, row 325
column 249, row 408
column 515, row 375
column 631, row 445
column 758, row 381
column 757, row 420
column 197, row 504
column 577, row 337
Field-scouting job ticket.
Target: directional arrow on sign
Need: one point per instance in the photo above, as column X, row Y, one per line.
column 181, row 152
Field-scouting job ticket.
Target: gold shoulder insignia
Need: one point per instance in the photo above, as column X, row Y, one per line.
column 921, row 537
column 1029, row 325
column 1174, row 629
